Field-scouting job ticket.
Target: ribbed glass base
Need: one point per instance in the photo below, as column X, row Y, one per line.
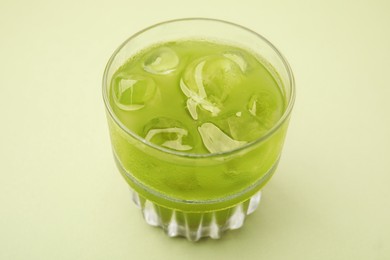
column 194, row 226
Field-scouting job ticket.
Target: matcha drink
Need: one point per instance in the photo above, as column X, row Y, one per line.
column 197, row 126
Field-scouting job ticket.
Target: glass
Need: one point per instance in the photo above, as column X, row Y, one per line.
column 208, row 193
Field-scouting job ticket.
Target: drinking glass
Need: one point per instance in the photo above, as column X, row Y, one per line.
column 198, row 195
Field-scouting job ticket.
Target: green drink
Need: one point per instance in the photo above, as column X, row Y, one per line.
column 197, row 123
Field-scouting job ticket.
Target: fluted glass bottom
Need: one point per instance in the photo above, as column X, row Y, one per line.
column 195, row 226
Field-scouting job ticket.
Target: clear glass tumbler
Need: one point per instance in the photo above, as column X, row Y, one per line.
column 198, row 195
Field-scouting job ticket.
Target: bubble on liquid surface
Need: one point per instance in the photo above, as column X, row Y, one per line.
column 169, row 133
column 132, row 92
column 215, row 140
column 208, row 81
column 163, row 60
column 265, row 107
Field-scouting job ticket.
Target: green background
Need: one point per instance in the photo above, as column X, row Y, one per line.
column 61, row 196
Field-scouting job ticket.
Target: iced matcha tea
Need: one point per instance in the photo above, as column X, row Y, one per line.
column 197, row 126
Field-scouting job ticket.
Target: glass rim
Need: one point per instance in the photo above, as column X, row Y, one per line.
column 269, row 133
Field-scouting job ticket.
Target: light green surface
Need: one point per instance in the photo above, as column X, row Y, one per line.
column 62, row 197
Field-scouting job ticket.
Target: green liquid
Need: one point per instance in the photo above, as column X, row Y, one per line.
column 196, row 98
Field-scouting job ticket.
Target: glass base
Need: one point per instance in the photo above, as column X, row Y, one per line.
column 195, row 226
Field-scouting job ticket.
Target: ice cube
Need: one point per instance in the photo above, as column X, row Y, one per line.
column 243, row 126
column 220, row 76
column 192, row 82
column 164, row 60
column 215, row 76
column 169, row 133
column 215, row 140
column 265, row 108
column 194, row 100
column 174, row 133
column 192, row 108
column 238, row 59
column 208, row 81
column 132, row 92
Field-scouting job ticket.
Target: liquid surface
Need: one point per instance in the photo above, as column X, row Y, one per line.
column 196, row 96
